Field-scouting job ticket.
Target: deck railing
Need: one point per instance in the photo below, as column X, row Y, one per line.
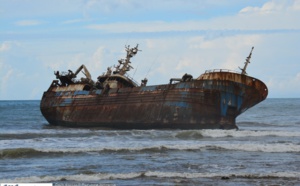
column 221, row 70
column 133, row 80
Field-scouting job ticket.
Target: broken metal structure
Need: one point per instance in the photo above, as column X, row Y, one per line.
column 115, row 100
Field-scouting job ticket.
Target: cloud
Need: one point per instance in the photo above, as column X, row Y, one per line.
column 272, row 7
column 8, row 45
column 109, row 6
column 28, row 23
column 94, row 59
column 91, row 8
column 98, row 58
column 156, row 26
column 72, row 21
column 271, row 15
column 132, row 7
column 191, row 42
column 233, row 49
column 35, row 8
column 269, row 7
column 225, row 24
column 284, row 86
column 274, row 14
column 6, row 73
column 296, row 5
column 5, row 46
column 172, row 57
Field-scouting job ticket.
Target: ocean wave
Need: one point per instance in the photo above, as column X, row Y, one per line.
column 45, row 131
column 252, row 147
column 280, row 125
column 249, row 147
column 288, row 147
column 149, row 174
column 71, row 133
column 233, row 133
column 145, row 134
column 21, row 153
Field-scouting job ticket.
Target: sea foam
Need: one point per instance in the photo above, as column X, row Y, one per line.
column 149, row 174
column 236, row 133
column 249, row 147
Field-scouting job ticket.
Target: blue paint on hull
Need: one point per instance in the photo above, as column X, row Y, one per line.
column 195, row 104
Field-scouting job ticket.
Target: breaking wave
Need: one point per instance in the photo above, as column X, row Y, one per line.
column 36, row 152
column 288, row 147
column 21, row 153
column 149, row 174
column 156, row 134
column 233, row 133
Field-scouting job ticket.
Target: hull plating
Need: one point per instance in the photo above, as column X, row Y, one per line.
column 212, row 101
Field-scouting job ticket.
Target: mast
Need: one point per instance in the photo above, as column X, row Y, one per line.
column 124, row 64
column 246, row 63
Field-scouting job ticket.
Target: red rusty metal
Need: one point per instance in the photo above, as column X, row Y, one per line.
column 211, row 101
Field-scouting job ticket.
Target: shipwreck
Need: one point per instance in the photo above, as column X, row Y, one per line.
column 116, row 101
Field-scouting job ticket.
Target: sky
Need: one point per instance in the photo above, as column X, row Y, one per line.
column 175, row 37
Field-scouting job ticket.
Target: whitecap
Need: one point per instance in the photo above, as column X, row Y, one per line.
column 132, row 175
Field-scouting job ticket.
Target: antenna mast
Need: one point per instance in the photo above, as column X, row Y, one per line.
column 126, row 62
column 246, row 63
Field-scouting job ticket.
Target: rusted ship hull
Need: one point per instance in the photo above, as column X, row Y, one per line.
column 212, row 101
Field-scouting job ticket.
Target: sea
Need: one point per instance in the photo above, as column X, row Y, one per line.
column 264, row 151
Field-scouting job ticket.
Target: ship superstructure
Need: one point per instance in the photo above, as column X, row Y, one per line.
column 211, row 101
